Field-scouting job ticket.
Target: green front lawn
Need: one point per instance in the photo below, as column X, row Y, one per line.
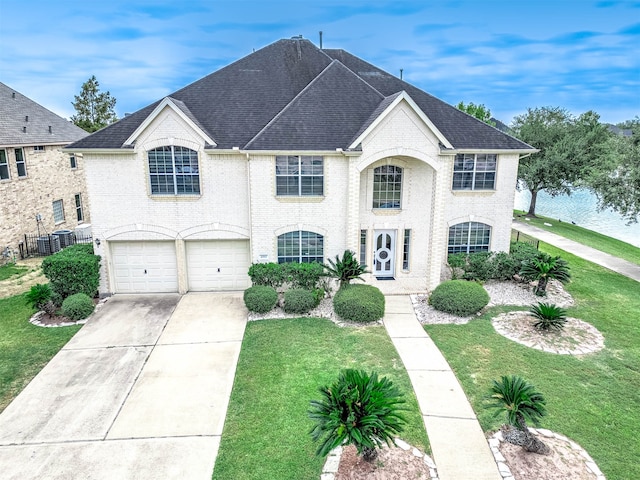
column 281, row 366
column 592, row 239
column 592, row 399
column 12, row 270
column 24, row 348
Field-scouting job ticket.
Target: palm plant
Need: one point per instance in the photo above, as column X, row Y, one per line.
column 549, row 316
column 520, row 401
column 346, row 268
column 545, row 269
column 358, row 409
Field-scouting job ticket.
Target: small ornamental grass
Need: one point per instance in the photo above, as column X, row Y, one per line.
column 459, row 297
column 359, row 303
column 549, row 316
column 359, row 409
column 260, row 298
column 78, row 306
column 298, row 300
column 38, row 295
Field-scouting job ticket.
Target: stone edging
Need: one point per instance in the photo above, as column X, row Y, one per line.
column 496, row 438
column 332, row 463
column 35, row 318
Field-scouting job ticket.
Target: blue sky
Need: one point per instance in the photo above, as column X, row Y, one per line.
column 510, row 55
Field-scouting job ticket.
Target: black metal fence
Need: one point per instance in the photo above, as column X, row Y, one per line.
column 48, row 244
column 518, row 236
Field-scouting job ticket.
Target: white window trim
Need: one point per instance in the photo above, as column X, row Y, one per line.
column 474, row 172
column 56, row 221
column 402, row 180
column 5, row 163
column 23, row 162
column 174, row 174
column 299, row 176
column 468, row 241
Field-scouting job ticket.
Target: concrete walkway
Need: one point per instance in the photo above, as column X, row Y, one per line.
column 616, row 264
column 460, row 449
column 141, row 391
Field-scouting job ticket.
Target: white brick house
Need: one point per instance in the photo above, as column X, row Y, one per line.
column 36, row 176
column 294, row 153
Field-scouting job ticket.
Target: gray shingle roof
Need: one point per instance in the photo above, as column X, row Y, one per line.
column 291, row 95
column 18, row 112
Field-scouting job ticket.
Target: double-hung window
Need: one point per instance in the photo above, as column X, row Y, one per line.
column 78, row 199
column 73, row 162
column 4, row 166
column 299, row 175
column 300, row 247
column 21, row 165
column 58, row 211
column 474, row 171
column 469, row 237
column 387, row 187
column 174, row 171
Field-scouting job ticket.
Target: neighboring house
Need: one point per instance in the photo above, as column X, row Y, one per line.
column 36, row 177
column 294, row 154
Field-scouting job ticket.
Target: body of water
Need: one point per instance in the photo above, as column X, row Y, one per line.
column 581, row 207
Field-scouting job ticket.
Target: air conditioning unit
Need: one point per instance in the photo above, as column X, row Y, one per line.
column 83, row 232
column 66, row 237
column 48, row 245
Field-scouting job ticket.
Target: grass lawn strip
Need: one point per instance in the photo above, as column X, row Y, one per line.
column 24, row 348
column 592, row 239
column 592, row 399
column 281, row 366
column 12, row 270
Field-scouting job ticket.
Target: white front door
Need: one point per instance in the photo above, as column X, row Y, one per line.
column 384, row 253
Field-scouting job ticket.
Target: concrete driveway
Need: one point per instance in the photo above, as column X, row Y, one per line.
column 140, row 392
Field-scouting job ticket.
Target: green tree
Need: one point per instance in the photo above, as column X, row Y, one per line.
column 569, row 146
column 615, row 179
column 94, row 109
column 479, row 111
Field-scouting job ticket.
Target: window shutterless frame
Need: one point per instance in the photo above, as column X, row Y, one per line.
column 299, row 175
column 469, row 237
column 474, row 171
column 174, row 171
column 4, row 166
column 21, row 165
column 300, row 247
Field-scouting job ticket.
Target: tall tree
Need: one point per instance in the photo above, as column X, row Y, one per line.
column 616, row 178
column 94, row 109
column 569, row 146
column 479, row 111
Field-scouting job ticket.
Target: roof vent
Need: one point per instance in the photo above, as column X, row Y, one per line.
column 24, row 129
column 13, row 95
column 296, row 37
column 50, row 130
column 26, row 118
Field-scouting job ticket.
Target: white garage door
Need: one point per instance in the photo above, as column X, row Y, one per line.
column 144, row 267
column 218, row 265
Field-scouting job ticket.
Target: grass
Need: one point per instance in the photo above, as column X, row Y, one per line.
column 596, row 240
column 281, row 366
column 592, row 399
column 11, row 269
column 24, row 348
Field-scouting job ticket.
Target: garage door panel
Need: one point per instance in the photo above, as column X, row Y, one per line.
column 144, row 267
column 218, row 265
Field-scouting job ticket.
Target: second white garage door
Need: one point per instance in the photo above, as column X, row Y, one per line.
column 218, row 265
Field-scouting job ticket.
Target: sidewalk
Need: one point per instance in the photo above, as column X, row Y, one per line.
column 460, row 449
column 616, row 264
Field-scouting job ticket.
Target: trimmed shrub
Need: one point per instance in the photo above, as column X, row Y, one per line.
column 459, row 297
column 260, row 298
column 359, row 303
column 38, row 296
column 267, row 274
column 479, row 266
column 303, row 275
column 298, row 300
column 72, row 271
column 504, row 266
column 80, row 249
column 77, row 306
column 522, row 253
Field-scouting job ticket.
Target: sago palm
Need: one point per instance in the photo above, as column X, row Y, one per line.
column 346, row 268
column 359, row 409
column 545, row 269
column 520, row 402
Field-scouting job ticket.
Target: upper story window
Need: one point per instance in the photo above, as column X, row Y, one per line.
column 469, row 237
column 20, row 163
column 4, row 166
column 73, row 162
column 474, row 171
column 299, row 175
column 300, row 247
column 79, row 214
column 38, row 148
column 174, row 171
column 387, row 187
column 58, row 211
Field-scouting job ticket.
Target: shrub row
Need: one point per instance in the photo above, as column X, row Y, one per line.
column 359, row 303
column 482, row 266
column 459, row 297
column 72, row 270
column 307, row 276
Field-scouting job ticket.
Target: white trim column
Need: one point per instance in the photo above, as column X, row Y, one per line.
column 353, row 206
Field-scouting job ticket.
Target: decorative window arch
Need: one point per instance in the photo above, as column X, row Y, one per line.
column 387, row 187
column 174, row 170
column 469, row 237
column 300, row 246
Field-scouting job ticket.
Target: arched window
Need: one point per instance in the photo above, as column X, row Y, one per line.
column 469, row 237
column 387, row 187
column 300, row 247
column 174, row 171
